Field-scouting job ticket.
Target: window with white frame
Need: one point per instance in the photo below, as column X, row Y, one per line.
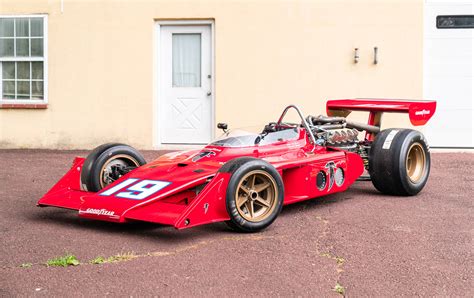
column 23, row 59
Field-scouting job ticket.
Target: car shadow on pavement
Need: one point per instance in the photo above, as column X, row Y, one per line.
column 70, row 219
column 359, row 190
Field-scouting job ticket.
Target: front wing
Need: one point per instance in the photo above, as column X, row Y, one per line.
column 207, row 207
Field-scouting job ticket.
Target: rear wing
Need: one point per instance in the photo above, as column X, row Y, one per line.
column 419, row 111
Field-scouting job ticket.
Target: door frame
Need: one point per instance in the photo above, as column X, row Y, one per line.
column 158, row 96
column 426, row 3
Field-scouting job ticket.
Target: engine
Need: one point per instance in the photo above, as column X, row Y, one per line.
column 334, row 131
column 341, row 133
column 341, row 137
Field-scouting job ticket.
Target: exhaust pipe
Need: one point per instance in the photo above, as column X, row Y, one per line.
column 361, row 126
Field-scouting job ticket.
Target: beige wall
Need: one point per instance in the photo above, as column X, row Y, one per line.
column 267, row 54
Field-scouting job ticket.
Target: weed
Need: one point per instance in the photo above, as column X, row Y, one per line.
column 67, row 260
column 121, row 257
column 159, row 253
column 112, row 259
column 97, row 260
column 339, row 289
column 339, row 260
column 26, row 265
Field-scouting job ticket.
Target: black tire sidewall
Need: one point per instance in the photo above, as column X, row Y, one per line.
column 237, row 222
column 89, row 163
column 387, row 167
column 90, row 174
column 410, row 187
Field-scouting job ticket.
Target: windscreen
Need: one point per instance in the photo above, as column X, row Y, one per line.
column 254, row 136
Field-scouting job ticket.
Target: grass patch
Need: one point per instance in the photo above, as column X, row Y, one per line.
column 65, row 261
column 98, row 260
column 339, row 289
column 26, row 265
column 121, row 257
column 126, row 256
column 340, row 260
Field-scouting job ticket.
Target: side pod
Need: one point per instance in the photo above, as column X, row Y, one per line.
column 209, row 206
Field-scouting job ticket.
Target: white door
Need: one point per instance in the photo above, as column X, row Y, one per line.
column 448, row 71
column 185, row 90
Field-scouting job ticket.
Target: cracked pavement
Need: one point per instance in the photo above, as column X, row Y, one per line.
column 370, row 244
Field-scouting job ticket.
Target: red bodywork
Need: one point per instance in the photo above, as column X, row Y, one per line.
column 196, row 190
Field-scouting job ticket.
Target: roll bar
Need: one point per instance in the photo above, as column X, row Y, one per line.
column 303, row 120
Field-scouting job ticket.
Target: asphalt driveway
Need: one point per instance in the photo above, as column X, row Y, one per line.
column 358, row 242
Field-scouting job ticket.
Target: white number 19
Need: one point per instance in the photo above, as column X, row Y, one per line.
column 138, row 191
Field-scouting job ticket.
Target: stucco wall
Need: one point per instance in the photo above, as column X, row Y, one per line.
column 267, row 54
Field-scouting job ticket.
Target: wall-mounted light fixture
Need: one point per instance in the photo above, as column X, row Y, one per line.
column 376, row 58
column 356, row 55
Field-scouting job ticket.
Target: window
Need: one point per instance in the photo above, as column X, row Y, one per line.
column 455, row 22
column 186, row 58
column 23, row 59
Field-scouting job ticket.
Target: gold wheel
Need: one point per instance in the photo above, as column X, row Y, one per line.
column 256, row 196
column 107, row 174
column 416, row 162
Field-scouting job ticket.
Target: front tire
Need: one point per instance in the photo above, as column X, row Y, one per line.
column 107, row 163
column 399, row 162
column 254, row 194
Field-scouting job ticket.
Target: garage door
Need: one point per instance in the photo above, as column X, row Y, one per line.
column 448, row 71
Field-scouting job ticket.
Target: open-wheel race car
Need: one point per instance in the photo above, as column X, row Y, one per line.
column 244, row 178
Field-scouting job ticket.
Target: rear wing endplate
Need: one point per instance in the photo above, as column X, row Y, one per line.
column 419, row 111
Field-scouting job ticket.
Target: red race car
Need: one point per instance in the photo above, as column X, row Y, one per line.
column 244, row 178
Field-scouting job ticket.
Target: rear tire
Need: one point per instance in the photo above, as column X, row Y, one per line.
column 254, row 196
column 399, row 162
column 96, row 171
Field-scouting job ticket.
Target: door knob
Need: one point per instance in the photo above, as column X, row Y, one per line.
column 209, row 93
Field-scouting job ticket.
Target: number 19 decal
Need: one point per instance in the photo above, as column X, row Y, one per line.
column 137, row 191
